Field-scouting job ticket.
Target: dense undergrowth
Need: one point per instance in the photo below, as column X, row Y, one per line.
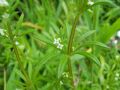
column 59, row 45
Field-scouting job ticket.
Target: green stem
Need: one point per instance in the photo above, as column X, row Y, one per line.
column 95, row 27
column 28, row 81
column 5, row 86
column 69, row 50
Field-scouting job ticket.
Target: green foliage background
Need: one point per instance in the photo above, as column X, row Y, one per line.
column 36, row 23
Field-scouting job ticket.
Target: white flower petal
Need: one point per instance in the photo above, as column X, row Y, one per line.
column 57, row 41
column 3, row 3
column 60, row 46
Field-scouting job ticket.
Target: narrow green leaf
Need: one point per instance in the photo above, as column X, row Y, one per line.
column 108, row 31
column 20, row 74
column 90, row 56
column 19, row 23
column 105, row 2
column 98, row 44
column 87, row 34
column 30, row 69
column 62, row 64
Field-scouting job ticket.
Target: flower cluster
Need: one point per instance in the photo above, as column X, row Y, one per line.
column 57, row 43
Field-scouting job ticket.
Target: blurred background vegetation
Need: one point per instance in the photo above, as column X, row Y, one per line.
column 28, row 30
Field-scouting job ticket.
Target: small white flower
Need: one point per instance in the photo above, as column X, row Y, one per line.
column 57, row 41
column 59, row 46
column 118, row 33
column 5, row 15
column 90, row 2
column 117, row 75
column 3, row 3
column 2, row 32
column 61, row 83
column 16, row 43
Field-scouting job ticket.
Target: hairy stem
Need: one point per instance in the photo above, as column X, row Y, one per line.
column 69, row 50
column 28, row 81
